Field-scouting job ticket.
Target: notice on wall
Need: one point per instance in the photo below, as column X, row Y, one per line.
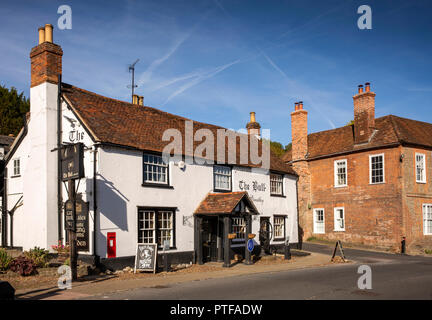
column 146, row 255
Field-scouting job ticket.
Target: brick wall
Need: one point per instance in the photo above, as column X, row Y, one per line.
column 416, row 194
column 373, row 212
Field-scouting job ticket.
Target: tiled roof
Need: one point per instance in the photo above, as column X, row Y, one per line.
column 389, row 130
column 222, row 203
column 125, row 124
column 6, row 142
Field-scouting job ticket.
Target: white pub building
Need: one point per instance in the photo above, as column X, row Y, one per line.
column 130, row 194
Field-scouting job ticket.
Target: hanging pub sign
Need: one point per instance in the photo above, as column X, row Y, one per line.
column 72, row 161
column 145, row 259
column 80, row 225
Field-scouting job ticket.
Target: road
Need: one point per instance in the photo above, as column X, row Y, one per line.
column 393, row 277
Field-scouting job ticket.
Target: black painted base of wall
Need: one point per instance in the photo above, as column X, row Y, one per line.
column 120, row 263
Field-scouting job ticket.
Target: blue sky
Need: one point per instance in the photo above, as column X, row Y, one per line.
column 217, row 60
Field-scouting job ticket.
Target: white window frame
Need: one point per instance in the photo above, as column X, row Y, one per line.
column 277, row 181
column 15, row 173
column 279, row 226
column 337, row 218
column 336, row 173
column 156, row 218
column 164, row 169
column 423, row 178
column 238, row 227
column 370, row 167
column 425, row 231
column 315, row 229
column 215, row 174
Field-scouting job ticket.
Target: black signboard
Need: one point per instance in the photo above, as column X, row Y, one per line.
column 80, row 225
column 145, row 259
column 69, row 219
column 72, row 161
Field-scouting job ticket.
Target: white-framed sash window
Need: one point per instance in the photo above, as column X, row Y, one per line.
column 156, row 226
column 340, row 173
column 279, row 227
column 376, row 168
column 155, row 169
column 427, row 219
column 276, row 184
column 339, row 219
column 16, row 167
column 222, row 178
column 319, row 220
column 420, row 161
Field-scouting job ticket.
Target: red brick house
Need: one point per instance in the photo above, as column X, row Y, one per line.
column 369, row 182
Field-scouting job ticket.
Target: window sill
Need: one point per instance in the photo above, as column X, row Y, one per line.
column 422, row 182
column 160, row 249
column 278, row 239
column 370, row 183
column 157, row 185
column 340, row 230
column 278, row 195
column 222, row 191
column 319, row 232
column 341, row 186
column 16, row 176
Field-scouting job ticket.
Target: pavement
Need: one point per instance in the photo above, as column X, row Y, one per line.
column 111, row 285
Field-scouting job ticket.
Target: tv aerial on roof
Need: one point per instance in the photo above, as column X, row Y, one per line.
column 133, row 85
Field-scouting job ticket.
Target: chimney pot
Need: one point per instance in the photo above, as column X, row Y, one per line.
column 141, row 100
column 300, row 105
column 252, row 117
column 49, row 33
column 41, row 35
column 367, row 86
column 135, row 99
column 360, row 88
column 296, row 106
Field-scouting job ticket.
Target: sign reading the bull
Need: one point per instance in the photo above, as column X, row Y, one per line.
column 72, row 161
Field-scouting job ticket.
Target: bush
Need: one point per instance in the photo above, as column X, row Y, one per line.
column 60, row 248
column 5, row 260
column 39, row 256
column 23, row 266
column 428, row 251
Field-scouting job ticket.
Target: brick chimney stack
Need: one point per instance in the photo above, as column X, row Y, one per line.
column 253, row 127
column 46, row 58
column 299, row 132
column 364, row 114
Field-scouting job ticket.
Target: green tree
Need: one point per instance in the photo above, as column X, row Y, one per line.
column 13, row 108
column 278, row 149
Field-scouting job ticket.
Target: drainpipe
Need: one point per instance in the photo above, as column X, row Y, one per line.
column 95, row 204
column 4, row 211
column 59, row 183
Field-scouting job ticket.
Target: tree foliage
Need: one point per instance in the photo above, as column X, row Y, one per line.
column 278, row 149
column 13, row 108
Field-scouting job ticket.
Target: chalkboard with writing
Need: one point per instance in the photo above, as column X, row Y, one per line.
column 145, row 259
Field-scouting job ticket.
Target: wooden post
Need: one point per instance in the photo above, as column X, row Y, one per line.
column 227, row 242
column 248, row 231
column 72, row 233
column 198, row 240
column 220, row 257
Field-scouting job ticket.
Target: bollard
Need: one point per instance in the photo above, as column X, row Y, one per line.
column 403, row 245
column 287, row 251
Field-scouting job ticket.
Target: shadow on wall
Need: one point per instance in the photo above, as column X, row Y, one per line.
column 112, row 206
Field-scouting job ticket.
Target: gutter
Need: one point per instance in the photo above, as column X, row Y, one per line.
column 59, row 142
column 95, row 203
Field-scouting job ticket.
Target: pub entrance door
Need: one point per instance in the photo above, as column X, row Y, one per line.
column 209, row 238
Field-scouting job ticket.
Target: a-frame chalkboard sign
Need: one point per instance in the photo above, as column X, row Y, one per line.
column 146, row 257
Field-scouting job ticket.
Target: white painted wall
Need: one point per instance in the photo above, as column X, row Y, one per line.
column 120, row 193
column 35, row 223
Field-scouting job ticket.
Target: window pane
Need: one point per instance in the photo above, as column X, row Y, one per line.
column 222, row 178
column 155, row 170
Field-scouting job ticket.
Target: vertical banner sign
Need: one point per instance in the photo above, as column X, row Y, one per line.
column 72, row 161
column 82, row 225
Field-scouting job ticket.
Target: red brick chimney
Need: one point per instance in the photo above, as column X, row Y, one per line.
column 299, row 132
column 46, row 58
column 253, row 127
column 364, row 114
